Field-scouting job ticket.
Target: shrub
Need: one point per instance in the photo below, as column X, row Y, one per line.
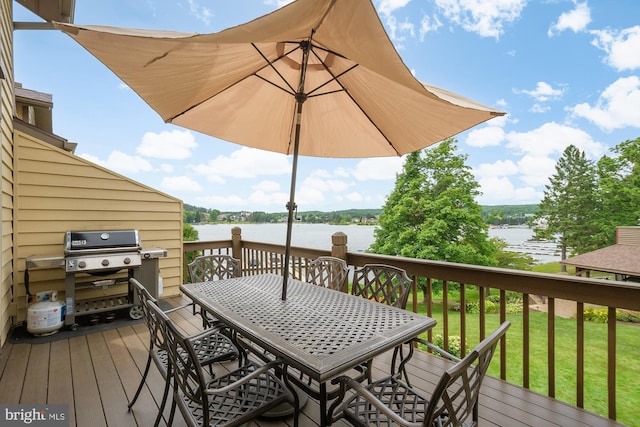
column 455, row 344
column 601, row 315
column 493, row 307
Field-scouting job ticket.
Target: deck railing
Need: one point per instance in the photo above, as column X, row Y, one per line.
column 524, row 339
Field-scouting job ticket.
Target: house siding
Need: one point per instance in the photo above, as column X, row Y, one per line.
column 57, row 191
column 628, row 235
column 6, row 168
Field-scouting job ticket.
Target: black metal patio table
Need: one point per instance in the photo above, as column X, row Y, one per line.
column 321, row 332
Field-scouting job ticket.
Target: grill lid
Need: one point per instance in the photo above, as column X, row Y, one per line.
column 105, row 240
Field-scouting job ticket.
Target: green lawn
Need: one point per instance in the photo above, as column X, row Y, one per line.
column 595, row 388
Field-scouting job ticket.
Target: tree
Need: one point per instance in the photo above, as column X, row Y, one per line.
column 618, row 192
column 189, row 233
column 510, row 259
column 432, row 212
column 569, row 202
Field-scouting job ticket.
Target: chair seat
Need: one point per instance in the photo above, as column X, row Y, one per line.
column 393, row 393
column 238, row 405
column 211, row 348
column 215, row 347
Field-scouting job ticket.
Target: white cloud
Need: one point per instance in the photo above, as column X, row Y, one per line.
column 261, row 198
column 551, row 139
column 202, row 13
column 267, row 186
column 180, row 183
column 93, row 159
column 622, row 47
column 575, row 20
column 354, row 197
column 617, row 107
column 176, row 144
column 379, row 168
column 486, row 18
column 488, row 136
column 166, row 168
column 324, row 185
column 387, row 7
column 222, row 202
column 244, row 163
column 536, row 171
column 498, row 168
column 121, row 162
column 399, row 31
column 539, row 108
column 544, row 92
column 429, row 24
column 341, row 172
column 500, row 190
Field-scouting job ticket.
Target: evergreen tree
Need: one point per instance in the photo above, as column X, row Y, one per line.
column 432, row 212
column 569, row 202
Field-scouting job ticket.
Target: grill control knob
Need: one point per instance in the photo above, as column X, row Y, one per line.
column 105, row 262
column 82, row 264
column 127, row 260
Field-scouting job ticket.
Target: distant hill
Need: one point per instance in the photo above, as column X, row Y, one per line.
column 507, row 210
column 510, row 209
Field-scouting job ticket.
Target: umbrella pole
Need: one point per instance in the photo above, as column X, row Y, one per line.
column 291, row 206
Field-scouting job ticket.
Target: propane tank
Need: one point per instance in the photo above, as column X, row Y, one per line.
column 46, row 316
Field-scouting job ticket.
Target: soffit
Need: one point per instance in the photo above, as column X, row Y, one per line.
column 51, row 10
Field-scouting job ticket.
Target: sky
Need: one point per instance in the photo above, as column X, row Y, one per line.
column 564, row 72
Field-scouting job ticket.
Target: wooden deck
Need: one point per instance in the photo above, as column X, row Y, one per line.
column 97, row 373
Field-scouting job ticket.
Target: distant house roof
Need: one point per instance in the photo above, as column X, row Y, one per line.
column 619, row 259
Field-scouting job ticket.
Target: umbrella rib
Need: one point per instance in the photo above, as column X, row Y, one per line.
column 336, row 78
column 270, row 64
column 274, row 84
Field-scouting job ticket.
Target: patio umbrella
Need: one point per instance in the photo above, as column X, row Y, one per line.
column 315, row 78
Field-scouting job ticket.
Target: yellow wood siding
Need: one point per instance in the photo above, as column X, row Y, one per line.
column 6, row 165
column 57, row 191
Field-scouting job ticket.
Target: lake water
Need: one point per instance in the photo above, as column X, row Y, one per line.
column 360, row 237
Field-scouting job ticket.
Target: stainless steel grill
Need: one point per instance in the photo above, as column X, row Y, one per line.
column 101, row 252
column 97, row 259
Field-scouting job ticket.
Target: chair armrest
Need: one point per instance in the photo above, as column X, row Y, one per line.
column 371, row 398
column 261, row 369
column 431, row 346
column 180, row 307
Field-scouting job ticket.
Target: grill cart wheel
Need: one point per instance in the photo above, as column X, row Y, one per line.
column 136, row 312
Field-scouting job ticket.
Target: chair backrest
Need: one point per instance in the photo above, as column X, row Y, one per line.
column 144, row 297
column 213, row 267
column 455, row 397
column 328, row 271
column 184, row 364
column 383, row 283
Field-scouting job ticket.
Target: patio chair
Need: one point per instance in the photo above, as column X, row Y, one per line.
column 453, row 403
column 228, row 400
column 328, row 271
column 212, row 267
column 383, row 283
column 211, row 347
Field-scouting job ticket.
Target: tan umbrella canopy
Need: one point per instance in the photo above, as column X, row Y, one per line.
column 316, row 77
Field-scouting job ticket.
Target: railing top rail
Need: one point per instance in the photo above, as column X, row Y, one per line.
column 611, row 293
